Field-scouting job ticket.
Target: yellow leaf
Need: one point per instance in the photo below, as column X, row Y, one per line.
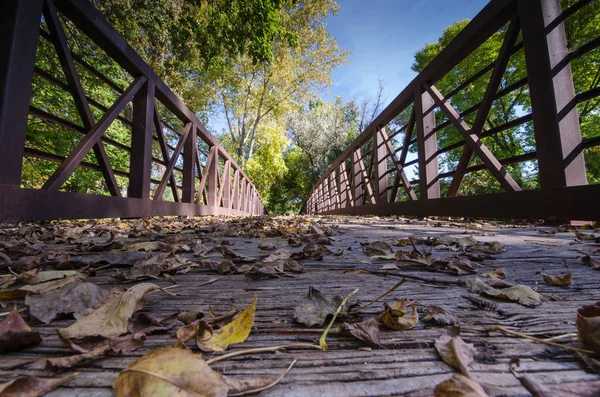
column 169, row 372
column 235, row 332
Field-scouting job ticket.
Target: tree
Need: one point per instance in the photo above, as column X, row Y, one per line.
column 250, row 92
column 322, row 131
column 188, row 43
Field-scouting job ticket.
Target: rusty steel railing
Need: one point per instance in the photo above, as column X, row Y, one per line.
column 208, row 179
column 370, row 176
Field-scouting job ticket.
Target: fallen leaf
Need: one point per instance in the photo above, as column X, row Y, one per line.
column 315, row 307
column 455, row 352
column 518, row 293
column 588, row 326
column 110, row 347
column 41, row 288
column 15, row 334
column 294, row 242
column 152, row 265
column 209, row 340
column 366, row 331
column 146, row 324
column 72, row 298
column 147, row 246
column 110, row 319
column 172, row 372
column 234, row 256
column 32, row 386
column 585, row 236
column 459, row 386
column 394, row 316
column 379, row 249
column 592, row 261
column 440, row 315
column 490, row 247
column 48, row 275
column 561, row 281
column 266, row 246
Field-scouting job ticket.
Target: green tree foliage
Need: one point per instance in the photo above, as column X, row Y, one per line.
column 250, row 93
column 581, row 27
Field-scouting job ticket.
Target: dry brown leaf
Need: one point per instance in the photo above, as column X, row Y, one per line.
column 110, row 347
column 72, row 298
column 588, row 326
column 455, row 352
column 15, row 334
column 266, row 246
column 315, row 307
column 518, row 293
column 172, row 371
column 110, row 319
column 440, row 315
column 366, row 331
column 395, row 317
column 41, row 288
column 32, row 386
column 459, row 386
column 48, row 275
column 490, row 247
column 592, row 261
column 147, row 246
column 379, row 249
column 561, row 281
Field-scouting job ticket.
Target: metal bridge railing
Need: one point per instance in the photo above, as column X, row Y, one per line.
column 371, row 175
column 202, row 177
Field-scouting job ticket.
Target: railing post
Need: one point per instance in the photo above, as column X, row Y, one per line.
column 235, row 200
column 19, row 29
column 357, row 178
column 429, row 186
column 226, row 185
column 381, row 178
column 189, row 167
column 334, row 190
column 555, row 118
column 213, row 176
column 140, row 160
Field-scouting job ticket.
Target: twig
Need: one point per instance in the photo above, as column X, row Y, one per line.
column 262, row 350
column 212, row 280
column 7, row 313
column 339, row 309
column 382, row 295
column 569, row 335
column 262, row 289
column 533, row 338
column 269, row 385
column 411, row 277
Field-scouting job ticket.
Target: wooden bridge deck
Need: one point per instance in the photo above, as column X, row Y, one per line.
column 408, row 363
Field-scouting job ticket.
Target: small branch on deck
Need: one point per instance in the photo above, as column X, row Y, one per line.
column 263, row 350
column 411, row 277
column 533, row 338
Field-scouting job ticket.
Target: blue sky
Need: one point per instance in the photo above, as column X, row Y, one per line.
column 384, row 35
